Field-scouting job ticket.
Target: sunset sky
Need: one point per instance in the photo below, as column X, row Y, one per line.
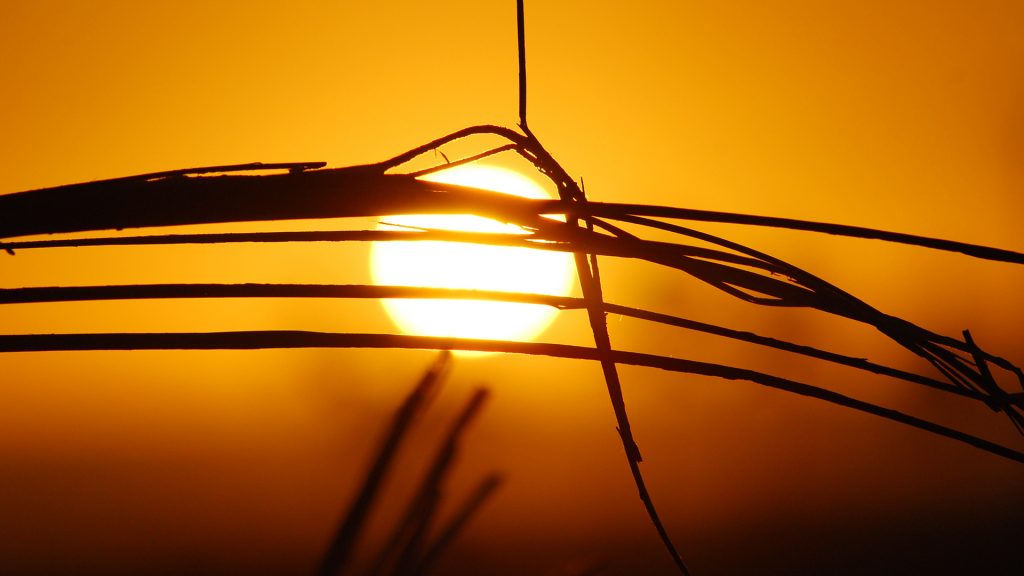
column 897, row 115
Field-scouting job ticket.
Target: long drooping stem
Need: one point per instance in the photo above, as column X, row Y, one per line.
column 589, row 275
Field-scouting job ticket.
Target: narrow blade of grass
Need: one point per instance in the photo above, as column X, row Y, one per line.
column 339, row 551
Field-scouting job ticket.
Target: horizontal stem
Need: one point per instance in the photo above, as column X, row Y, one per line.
column 289, row 339
column 46, row 294
column 136, row 202
column 610, row 210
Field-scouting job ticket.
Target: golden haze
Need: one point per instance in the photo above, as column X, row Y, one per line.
column 898, row 115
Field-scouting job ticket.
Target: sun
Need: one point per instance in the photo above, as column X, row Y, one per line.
column 471, row 266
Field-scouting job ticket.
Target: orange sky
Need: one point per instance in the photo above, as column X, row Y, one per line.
column 896, row 115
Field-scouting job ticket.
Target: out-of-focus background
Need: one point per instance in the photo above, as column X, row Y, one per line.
column 897, row 115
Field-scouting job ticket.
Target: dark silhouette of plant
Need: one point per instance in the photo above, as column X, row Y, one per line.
column 410, row 550
column 237, row 193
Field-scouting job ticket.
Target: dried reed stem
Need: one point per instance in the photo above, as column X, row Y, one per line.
column 165, row 291
column 288, row 339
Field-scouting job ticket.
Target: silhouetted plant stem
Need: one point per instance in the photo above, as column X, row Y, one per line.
column 609, row 210
column 340, row 549
column 164, row 291
column 462, row 161
column 411, row 537
column 588, row 273
column 591, row 286
column 521, row 45
column 288, row 339
column 180, row 197
column 507, row 133
column 447, row 534
column 547, row 239
column 138, row 201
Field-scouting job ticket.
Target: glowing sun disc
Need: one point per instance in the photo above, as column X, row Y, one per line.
column 470, row 266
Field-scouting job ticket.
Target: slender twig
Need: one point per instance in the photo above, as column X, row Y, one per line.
column 547, row 237
column 396, row 161
column 45, row 294
column 163, row 291
column 521, row 43
column 462, row 161
column 588, row 273
column 220, row 169
column 589, row 276
column 410, row 234
column 289, row 339
column 610, row 210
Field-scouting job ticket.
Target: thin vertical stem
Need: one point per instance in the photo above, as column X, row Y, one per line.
column 521, row 30
column 590, row 283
